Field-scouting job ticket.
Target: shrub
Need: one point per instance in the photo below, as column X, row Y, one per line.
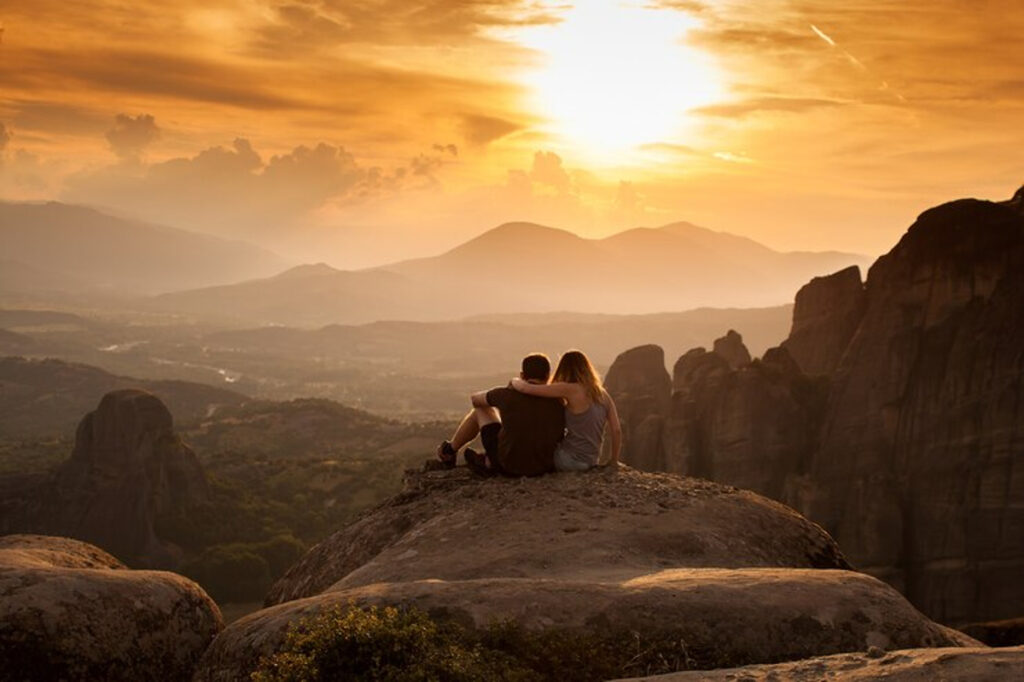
column 389, row 644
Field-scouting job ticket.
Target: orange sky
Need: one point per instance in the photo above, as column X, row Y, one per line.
column 358, row 131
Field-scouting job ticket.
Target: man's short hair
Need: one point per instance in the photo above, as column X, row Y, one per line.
column 536, row 366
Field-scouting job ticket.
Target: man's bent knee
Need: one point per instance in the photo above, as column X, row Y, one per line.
column 486, row 415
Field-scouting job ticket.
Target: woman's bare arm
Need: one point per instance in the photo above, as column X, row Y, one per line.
column 555, row 390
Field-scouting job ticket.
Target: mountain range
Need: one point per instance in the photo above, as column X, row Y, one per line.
column 55, row 248
column 526, row 268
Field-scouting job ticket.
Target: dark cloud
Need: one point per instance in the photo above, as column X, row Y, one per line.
column 132, row 134
column 5, row 137
column 141, row 72
column 443, row 149
column 58, row 117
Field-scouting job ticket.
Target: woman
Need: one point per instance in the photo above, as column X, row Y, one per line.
column 588, row 408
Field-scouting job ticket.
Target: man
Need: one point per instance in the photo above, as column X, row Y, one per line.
column 519, row 432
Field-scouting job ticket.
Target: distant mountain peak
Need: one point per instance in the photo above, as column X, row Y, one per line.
column 307, row 270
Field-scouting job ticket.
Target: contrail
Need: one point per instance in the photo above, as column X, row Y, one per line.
column 853, row 60
column 823, row 35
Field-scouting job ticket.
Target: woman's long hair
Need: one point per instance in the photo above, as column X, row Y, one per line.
column 574, row 368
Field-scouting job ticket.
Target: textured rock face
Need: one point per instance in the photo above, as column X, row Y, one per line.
column 127, row 469
column 920, row 472
column 825, row 317
column 642, row 390
column 908, row 443
column 910, row 665
column 735, row 576
column 69, row 611
column 732, row 350
column 752, row 427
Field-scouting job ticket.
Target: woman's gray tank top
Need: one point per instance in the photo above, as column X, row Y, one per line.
column 584, row 433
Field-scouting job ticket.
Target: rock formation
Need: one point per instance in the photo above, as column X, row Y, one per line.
column 917, row 665
column 69, row 611
column 737, row 577
column 127, row 469
column 643, row 391
column 732, row 350
column 893, row 414
column 826, row 314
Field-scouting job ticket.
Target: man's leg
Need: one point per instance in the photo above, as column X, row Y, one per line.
column 471, row 425
column 467, row 430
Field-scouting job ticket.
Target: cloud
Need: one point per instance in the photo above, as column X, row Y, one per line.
column 227, row 190
column 547, row 170
column 671, row 148
column 300, row 25
column 131, row 135
column 5, row 137
column 481, row 130
column 767, row 104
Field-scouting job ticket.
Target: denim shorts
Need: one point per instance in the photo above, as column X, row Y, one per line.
column 566, row 462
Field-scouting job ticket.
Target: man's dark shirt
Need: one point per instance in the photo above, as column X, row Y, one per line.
column 531, row 427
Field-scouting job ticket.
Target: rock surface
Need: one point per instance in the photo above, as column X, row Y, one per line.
column 732, row 350
column 643, row 391
column 893, row 415
column 720, row 614
column 826, row 314
column 69, row 611
column 910, row 665
column 732, row 575
column 127, row 469
column 604, row 524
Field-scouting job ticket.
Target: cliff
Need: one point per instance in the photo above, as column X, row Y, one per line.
column 892, row 415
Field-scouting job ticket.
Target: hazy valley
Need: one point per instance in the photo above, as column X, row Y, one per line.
column 268, row 460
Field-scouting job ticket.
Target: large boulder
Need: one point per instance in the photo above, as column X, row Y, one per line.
column 724, row 616
column 616, row 524
column 617, row 552
column 127, row 470
column 69, row 611
column 909, row 665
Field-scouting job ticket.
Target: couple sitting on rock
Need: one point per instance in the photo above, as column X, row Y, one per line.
column 532, row 427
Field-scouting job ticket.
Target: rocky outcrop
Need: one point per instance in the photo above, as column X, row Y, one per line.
column 752, row 427
column 732, row 350
column 734, row 576
column 825, row 317
column 893, row 414
column 128, row 468
column 446, row 526
column 642, row 390
column 912, row 665
column 69, row 611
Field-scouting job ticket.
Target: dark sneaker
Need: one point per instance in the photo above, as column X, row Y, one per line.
column 447, row 454
column 477, row 463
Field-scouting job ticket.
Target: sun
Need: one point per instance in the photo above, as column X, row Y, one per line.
column 614, row 75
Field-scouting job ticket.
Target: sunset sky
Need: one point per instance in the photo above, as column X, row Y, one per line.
column 359, row 132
